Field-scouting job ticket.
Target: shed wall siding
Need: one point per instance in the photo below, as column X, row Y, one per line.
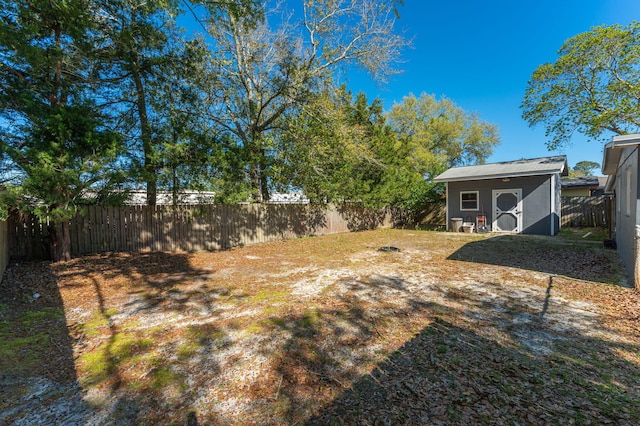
column 536, row 198
column 557, row 211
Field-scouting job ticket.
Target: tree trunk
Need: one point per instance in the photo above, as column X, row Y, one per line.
column 254, row 179
column 174, row 185
column 152, row 191
column 258, row 172
column 60, row 248
column 264, row 181
column 146, row 136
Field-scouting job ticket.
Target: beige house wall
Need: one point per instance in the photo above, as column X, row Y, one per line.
column 576, row 192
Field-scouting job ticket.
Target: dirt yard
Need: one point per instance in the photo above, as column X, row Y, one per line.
column 450, row 329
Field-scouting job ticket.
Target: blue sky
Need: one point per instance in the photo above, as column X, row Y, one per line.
column 481, row 54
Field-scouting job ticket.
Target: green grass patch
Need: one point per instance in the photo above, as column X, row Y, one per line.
column 188, row 349
column 125, row 345
column 164, row 378
column 271, row 311
column 44, row 314
column 278, row 322
column 99, row 320
column 110, row 312
column 103, row 361
column 267, row 296
column 195, row 333
column 136, row 385
column 310, row 318
column 26, row 338
column 96, row 366
column 198, row 337
column 204, row 333
column 254, row 328
column 20, row 354
column 584, row 234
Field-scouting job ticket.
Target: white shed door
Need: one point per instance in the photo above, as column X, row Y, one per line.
column 507, row 210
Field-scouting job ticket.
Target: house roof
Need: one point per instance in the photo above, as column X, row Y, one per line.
column 613, row 150
column 590, row 182
column 612, row 154
column 507, row 169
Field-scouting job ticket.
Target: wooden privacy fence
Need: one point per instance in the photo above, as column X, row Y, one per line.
column 191, row 227
column 585, row 211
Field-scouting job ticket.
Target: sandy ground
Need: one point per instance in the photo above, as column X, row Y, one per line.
column 331, row 330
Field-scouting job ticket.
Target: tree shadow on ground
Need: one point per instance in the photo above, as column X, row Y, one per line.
column 448, row 374
column 481, row 361
column 161, row 289
column 36, row 354
column 485, row 353
column 155, row 281
column 157, row 286
column 582, row 260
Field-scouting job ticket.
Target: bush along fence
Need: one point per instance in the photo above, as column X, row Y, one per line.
column 592, row 212
column 103, row 229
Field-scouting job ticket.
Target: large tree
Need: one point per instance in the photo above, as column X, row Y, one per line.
column 343, row 148
column 437, row 134
column 441, row 134
column 592, row 88
column 264, row 75
column 155, row 78
column 584, row 168
column 186, row 146
column 137, row 45
column 339, row 148
column 51, row 129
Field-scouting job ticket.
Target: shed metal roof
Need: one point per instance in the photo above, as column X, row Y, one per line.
column 507, row 169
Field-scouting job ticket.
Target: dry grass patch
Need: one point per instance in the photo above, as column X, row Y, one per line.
column 453, row 328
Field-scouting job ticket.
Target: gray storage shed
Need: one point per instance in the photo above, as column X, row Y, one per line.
column 521, row 196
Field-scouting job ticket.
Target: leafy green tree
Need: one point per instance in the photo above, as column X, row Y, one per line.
column 186, row 145
column 139, row 45
column 440, row 134
column 344, row 150
column 593, row 87
column 330, row 149
column 156, row 80
column 437, row 134
column 584, row 168
column 51, row 129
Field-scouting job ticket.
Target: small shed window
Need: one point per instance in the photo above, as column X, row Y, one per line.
column 469, row 200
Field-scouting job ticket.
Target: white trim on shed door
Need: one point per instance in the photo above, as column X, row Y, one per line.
column 502, row 213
